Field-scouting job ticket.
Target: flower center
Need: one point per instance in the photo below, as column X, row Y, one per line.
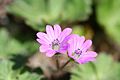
column 55, row 44
column 77, row 53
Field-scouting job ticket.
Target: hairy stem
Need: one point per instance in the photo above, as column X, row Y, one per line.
column 65, row 64
column 57, row 63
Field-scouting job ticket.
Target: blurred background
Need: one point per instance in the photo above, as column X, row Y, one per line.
column 20, row 20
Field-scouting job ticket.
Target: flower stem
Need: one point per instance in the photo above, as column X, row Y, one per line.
column 65, row 64
column 57, row 63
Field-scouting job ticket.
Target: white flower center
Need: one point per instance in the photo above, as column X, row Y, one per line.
column 55, row 44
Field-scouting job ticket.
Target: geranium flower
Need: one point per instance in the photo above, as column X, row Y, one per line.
column 78, row 49
column 54, row 40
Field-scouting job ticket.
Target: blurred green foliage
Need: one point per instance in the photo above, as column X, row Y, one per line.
column 10, row 46
column 77, row 29
column 37, row 13
column 104, row 68
column 108, row 15
column 7, row 73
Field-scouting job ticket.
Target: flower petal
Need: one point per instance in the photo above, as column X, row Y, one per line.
column 64, row 44
column 73, row 42
column 41, row 41
column 50, row 32
column 43, row 37
column 86, row 45
column 65, row 33
column 44, row 48
column 85, row 60
column 72, row 45
column 86, row 57
column 57, row 30
column 63, row 48
column 50, row 53
column 80, row 41
column 89, row 54
column 70, row 51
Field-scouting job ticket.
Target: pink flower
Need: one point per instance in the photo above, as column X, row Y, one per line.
column 78, row 49
column 53, row 41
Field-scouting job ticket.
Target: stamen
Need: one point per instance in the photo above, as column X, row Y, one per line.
column 77, row 53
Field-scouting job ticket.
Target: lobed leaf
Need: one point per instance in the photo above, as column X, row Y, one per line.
column 103, row 69
column 7, row 73
column 108, row 16
column 37, row 13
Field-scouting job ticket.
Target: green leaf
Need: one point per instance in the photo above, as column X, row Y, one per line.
column 77, row 10
column 28, row 76
column 108, row 16
column 103, row 69
column 37, row 13
column 7, row 73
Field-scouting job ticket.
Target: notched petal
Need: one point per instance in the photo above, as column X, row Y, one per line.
column 57, row 30
column 66, row 32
